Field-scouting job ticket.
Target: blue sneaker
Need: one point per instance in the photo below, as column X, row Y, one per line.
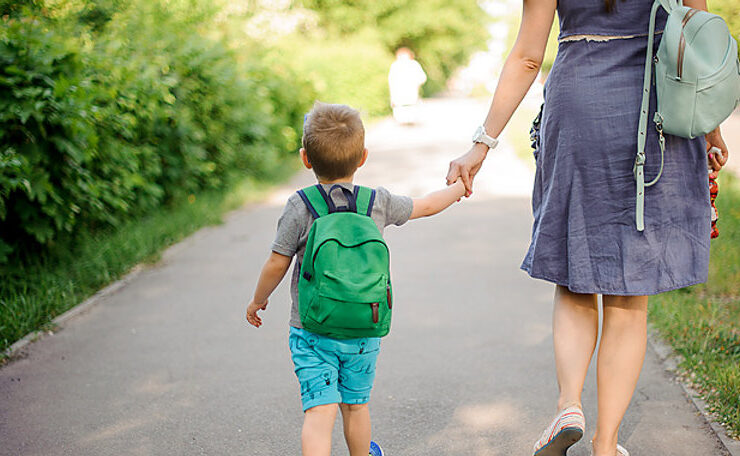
column 375, row 449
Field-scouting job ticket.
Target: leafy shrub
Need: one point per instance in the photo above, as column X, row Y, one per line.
column 350, row 71
column 442, row 33
column 101, row 125
column 48, row 139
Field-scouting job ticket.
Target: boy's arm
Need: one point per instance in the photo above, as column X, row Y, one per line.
column 438, row 201
column 272, row 273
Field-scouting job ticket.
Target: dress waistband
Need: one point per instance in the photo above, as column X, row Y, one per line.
column 588, row 37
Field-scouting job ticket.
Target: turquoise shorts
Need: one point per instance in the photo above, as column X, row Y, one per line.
column 333, row 371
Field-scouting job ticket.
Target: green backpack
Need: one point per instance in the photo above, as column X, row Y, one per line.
column 344, row 288
column 697, row 79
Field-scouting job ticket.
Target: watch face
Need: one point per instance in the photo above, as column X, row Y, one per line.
column 478, row 133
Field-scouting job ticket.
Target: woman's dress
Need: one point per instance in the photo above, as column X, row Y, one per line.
column 584, row 234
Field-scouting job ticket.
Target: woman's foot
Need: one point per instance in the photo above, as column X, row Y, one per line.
column 565, row 430
column 621, row 451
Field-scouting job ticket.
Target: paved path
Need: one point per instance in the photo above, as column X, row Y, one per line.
column 166, row 366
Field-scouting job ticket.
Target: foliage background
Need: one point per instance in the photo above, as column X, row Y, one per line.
column 111, row 109
column 107, row 117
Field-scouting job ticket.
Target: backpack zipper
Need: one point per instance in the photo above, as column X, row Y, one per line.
column 682, row 41
column 375, row 307
column 325, row 241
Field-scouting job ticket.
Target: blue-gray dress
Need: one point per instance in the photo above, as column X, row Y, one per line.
column 584, row 234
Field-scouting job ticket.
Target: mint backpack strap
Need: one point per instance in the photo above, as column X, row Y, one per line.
column 316, row 200
column 639, row 167
column 670, row 5
column 364, row 200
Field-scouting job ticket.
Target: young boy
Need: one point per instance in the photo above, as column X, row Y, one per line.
column 334, row 371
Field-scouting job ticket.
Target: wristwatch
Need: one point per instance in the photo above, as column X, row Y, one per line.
column 480, row 136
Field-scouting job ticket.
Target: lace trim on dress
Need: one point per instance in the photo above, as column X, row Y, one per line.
column 600, row 37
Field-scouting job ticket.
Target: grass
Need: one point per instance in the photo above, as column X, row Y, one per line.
column 702, row 323
column 517, row 133
column 47, row 285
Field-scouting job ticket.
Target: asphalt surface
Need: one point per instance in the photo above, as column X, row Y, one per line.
column 167, row 365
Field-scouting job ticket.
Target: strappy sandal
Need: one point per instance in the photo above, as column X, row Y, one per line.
column 566, row 429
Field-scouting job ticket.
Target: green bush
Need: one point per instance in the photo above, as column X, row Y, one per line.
column 442, row 33
column 48, row 138
column 101, row 125
column 349, row 71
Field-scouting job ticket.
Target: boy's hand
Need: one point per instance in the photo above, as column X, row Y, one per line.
column 272, row 273
column 467, row 166
column 252, row 309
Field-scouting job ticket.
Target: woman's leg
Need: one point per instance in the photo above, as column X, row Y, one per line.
column 621, row 354
column 575, row 328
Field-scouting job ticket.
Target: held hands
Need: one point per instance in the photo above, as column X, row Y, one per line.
column 716, row 160
column 252, row 309
column 467, row 166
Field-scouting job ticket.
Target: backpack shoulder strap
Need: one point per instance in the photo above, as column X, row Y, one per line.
column 639, row 166
column 315, row 199
column 365, row 199
column 670, row 5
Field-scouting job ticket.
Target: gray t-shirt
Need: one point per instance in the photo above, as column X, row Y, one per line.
column 296, row 220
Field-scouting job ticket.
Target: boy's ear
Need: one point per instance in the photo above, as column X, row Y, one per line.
column 304, row 159
column 364, row 158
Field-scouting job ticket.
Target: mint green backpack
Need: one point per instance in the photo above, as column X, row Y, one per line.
column 697, row 79
column 344, row 288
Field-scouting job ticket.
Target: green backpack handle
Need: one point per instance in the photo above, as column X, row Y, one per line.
column 697, row 79
column 319, row 203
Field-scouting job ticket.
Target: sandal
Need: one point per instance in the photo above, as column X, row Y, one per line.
column 565, row 430
column 621, row 451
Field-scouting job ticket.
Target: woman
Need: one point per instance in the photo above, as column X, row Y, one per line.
column 584, row 238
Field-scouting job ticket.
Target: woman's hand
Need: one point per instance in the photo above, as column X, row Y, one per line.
column 467, row 166
column 716, row 160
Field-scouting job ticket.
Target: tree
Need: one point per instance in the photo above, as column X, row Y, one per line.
column 442, row 33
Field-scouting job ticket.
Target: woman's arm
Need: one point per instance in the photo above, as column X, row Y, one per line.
column 519, row 72
column 697, row 4
column 522, row 65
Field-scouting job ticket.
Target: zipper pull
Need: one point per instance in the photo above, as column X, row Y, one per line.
column 375, row 307
column 388, row 295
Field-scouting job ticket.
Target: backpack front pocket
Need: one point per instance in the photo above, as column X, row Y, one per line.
column 358, row 302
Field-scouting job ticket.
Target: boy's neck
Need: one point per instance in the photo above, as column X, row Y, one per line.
column 341, row 180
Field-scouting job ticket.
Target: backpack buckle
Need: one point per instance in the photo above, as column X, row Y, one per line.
column 658, row 119
column 639, row 163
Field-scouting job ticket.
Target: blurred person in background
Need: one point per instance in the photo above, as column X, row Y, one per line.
column 404, row 80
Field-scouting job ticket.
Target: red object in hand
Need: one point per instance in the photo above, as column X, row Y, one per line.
column 713, row 191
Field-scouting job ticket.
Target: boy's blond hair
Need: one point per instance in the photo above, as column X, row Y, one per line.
column 334, row 140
